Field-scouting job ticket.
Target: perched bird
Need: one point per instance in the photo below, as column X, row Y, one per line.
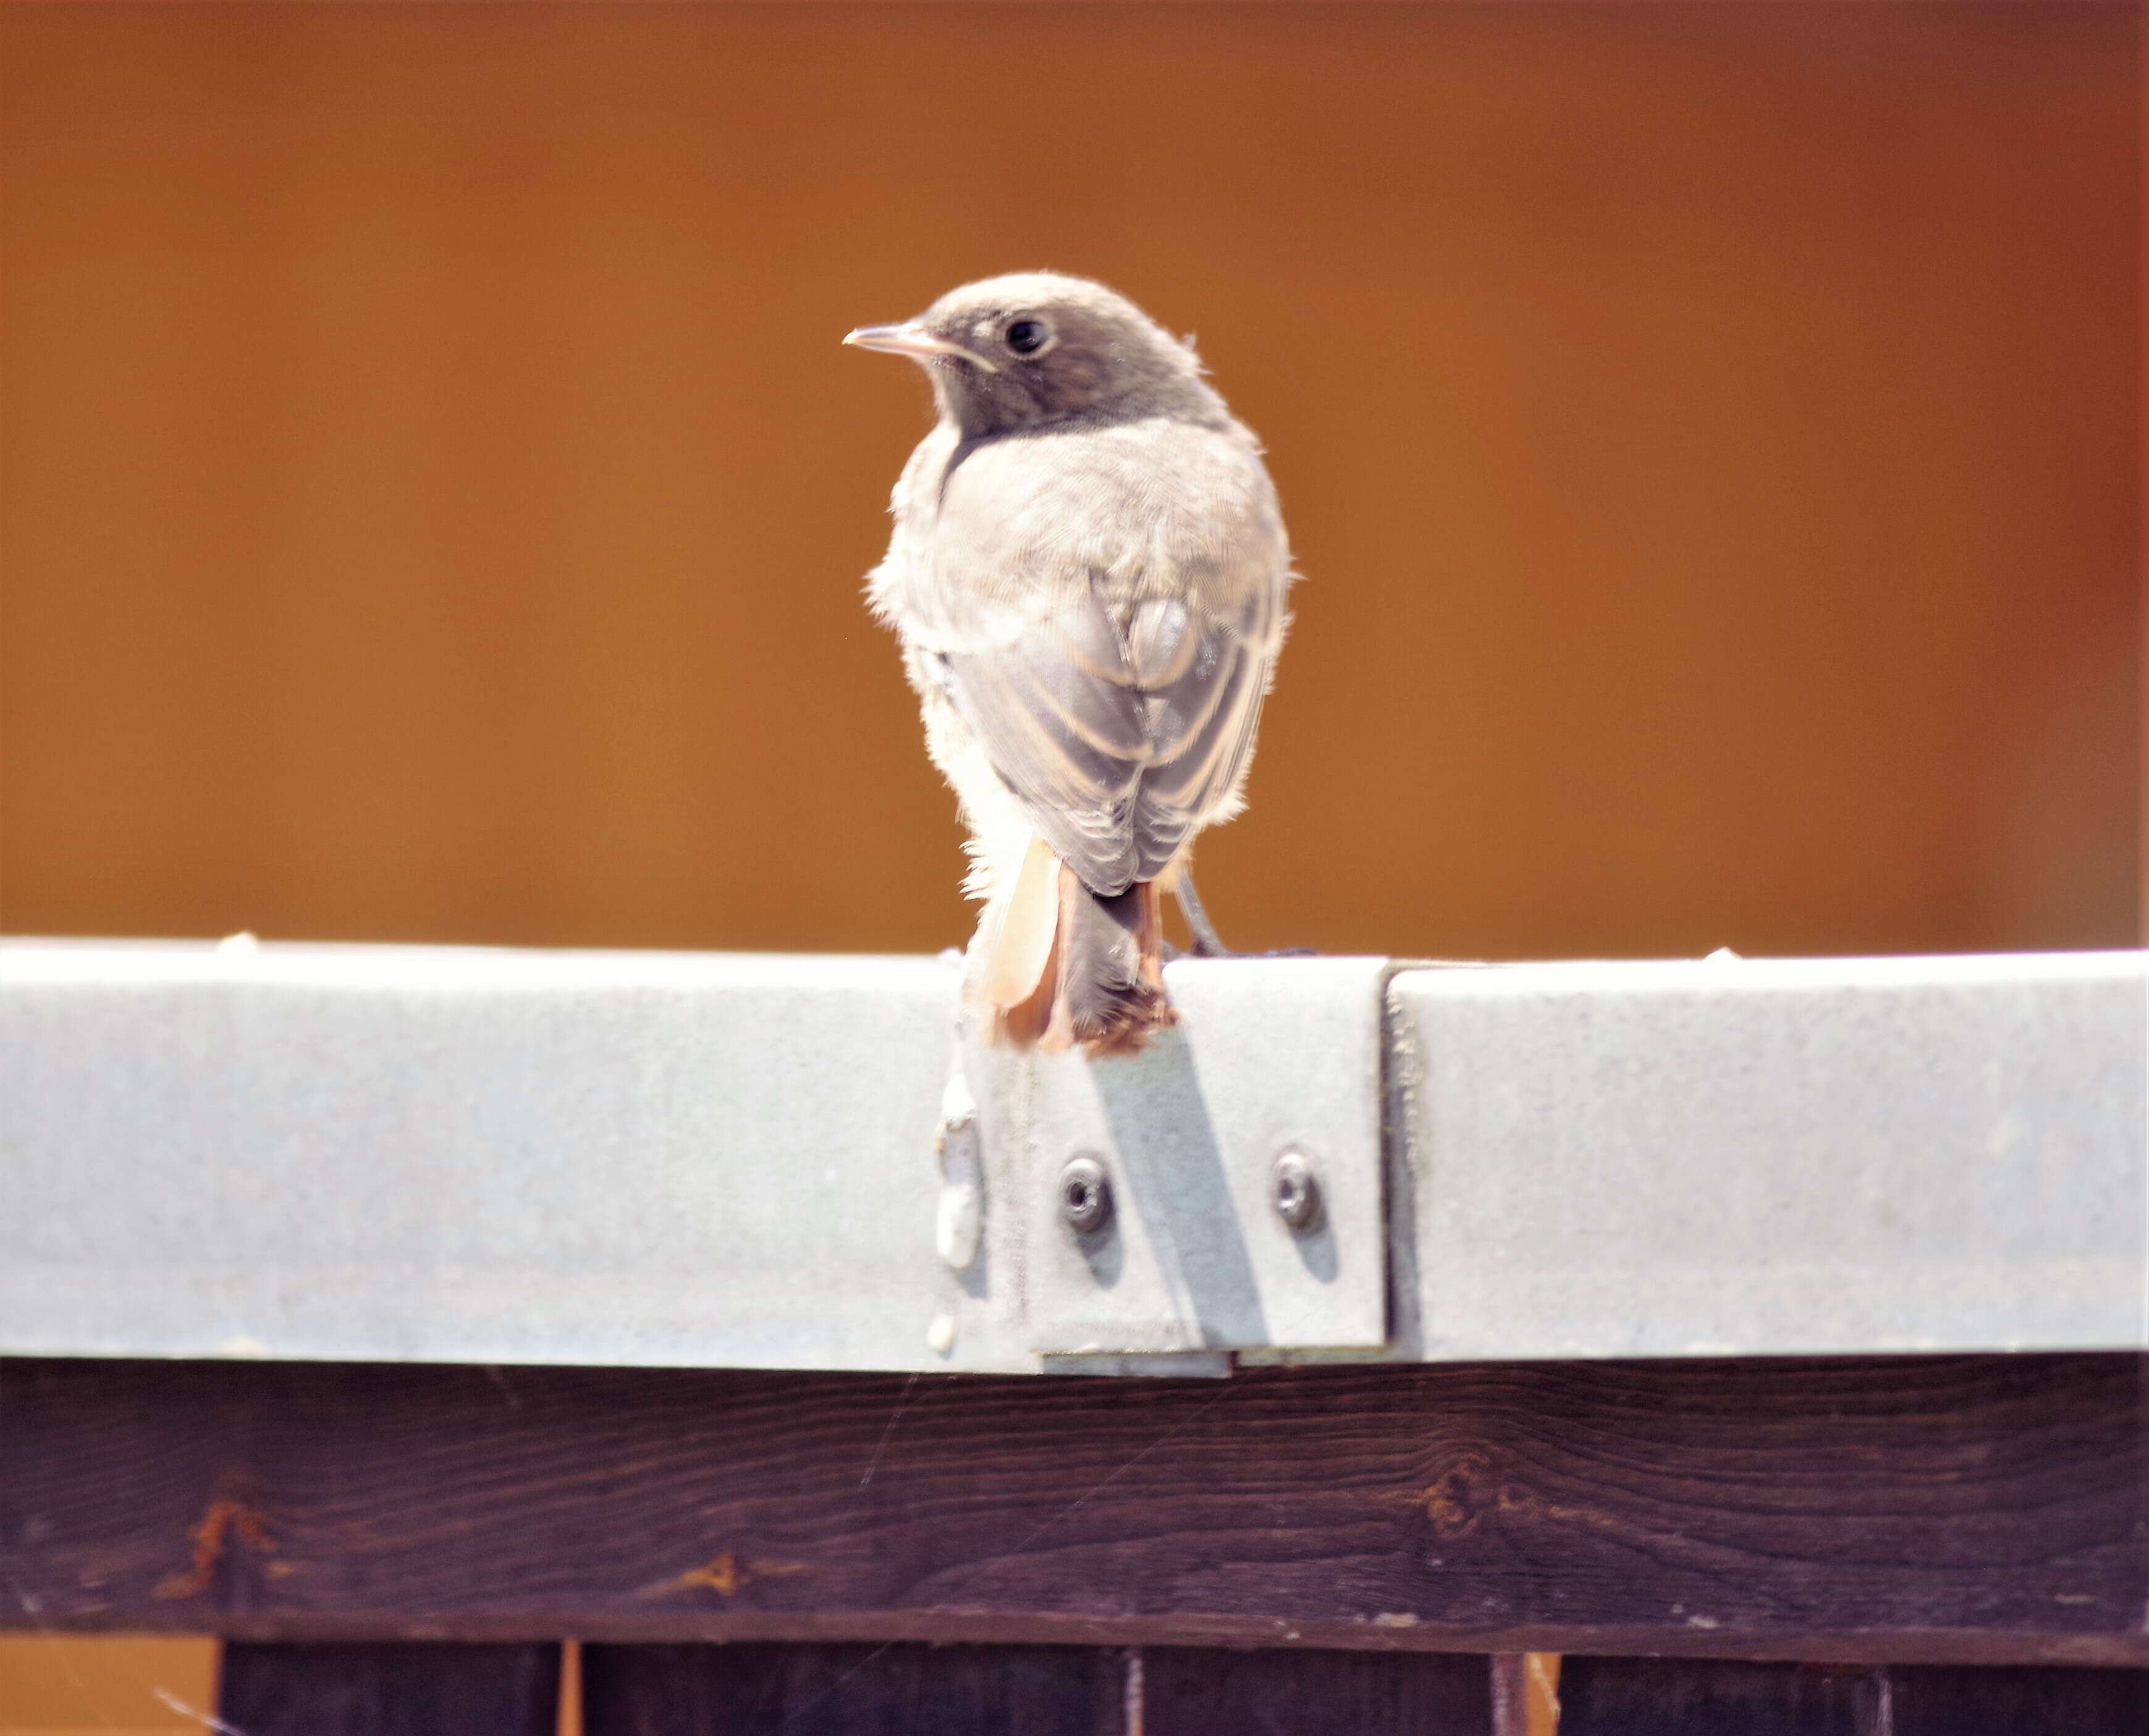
column 1087, row 572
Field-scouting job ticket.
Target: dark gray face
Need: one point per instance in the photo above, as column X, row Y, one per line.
column 1020, row 351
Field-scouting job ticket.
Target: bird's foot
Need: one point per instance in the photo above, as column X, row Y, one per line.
column 1208, row 943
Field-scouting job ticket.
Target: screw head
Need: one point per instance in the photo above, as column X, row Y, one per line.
column 1294, row 1190
column 1085, row 1196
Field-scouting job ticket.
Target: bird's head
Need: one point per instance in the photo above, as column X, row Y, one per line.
column 1035, row 347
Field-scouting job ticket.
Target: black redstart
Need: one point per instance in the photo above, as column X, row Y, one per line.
column 1088, row 572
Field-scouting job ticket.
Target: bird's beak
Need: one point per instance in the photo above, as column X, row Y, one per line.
column 912, row 339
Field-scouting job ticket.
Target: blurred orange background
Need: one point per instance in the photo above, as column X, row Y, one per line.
column 433, row 501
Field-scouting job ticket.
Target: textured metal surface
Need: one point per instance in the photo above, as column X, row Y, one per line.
column 1269, row 1055
column 410, row 1153
column 449, row 1154
column 456, row 1155
column 1734, row 1156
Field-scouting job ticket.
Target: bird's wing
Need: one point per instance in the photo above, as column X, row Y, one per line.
column 1108, row 641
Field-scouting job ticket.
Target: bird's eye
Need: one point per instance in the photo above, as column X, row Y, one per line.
column 1029, row 337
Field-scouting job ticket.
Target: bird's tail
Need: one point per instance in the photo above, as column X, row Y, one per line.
column 1095, row 976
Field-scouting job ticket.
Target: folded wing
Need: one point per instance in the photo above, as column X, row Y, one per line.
column 1109, row 642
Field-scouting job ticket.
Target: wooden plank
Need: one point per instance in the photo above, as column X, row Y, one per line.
column 898, row 1689
column 1510, row 1675
column 1687, row 1696
column 1715, row 1696
column 1208, row 1691
column 853, row 1690
column 1938, row 1510
column 428, row 1689
column 2017, row 1702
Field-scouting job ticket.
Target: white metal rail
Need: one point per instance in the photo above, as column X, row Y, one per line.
column 390, row 1154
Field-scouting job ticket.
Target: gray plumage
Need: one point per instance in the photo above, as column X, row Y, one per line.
column 1088, row 572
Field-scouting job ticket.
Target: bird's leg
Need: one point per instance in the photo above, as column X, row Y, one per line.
column 1207, row 943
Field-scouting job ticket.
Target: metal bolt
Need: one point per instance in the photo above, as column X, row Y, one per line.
column 1294, row 1192
column 1085, row 1196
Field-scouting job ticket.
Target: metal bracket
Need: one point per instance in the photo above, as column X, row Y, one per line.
column 1222, row 1191
column 443, row 1154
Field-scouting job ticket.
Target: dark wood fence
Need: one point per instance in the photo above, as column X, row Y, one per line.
column 1890, row 1547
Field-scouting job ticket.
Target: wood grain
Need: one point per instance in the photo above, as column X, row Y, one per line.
column 1692, row 1697
column 853, row 1690
column 2017, row 1702
column 1935, row 1510
column 915, row 1690
column 1712, row 1696
column 1209, row 1691
column 421, row 1689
